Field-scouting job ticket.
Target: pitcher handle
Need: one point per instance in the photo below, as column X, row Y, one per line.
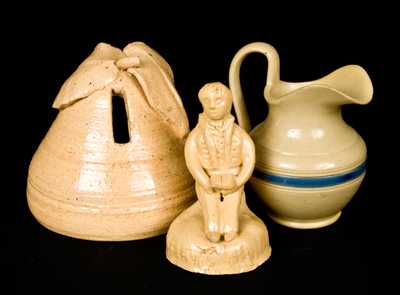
column 234, row 77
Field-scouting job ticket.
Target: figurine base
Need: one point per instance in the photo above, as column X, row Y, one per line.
column 189, row 248
column 305, row 223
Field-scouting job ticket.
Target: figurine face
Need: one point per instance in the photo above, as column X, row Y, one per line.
column 216, row 102
column 216, row 108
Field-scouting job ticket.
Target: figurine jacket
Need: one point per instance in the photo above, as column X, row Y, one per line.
column 219, row 145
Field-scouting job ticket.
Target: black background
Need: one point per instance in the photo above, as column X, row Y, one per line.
column 332, row 259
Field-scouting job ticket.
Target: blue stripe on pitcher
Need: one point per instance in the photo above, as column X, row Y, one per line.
column 310, row 182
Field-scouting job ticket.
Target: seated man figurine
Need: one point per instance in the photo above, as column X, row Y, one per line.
column 220, row 156
column 218, row 234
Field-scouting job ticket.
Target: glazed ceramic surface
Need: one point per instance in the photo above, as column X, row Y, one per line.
column 218, row 234
column 309, row 162
column 84, row 184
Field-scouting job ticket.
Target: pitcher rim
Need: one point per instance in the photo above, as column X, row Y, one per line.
column 362, row 99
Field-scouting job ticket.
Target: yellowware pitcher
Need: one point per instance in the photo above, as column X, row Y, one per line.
column 309, row 162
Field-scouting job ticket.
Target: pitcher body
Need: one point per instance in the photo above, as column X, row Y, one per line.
column 309, row 162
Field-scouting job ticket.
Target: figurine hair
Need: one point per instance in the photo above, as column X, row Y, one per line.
column 215, row 89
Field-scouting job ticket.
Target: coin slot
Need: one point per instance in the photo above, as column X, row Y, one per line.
column 120, row 120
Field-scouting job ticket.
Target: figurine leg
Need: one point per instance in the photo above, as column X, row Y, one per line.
column 229, row 210
column 209, row 205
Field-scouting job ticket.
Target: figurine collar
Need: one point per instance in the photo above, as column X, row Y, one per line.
column 216, row 123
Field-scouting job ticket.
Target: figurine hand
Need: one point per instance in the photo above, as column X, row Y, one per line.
column 207, row 187
column 225, row 182
column 209, row 190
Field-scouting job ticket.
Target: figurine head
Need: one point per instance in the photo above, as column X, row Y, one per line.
column 216, row 99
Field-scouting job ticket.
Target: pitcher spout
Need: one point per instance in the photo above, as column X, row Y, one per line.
column 352, row 82
column 348, row 84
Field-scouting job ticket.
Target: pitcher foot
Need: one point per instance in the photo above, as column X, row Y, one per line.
column 305, row 223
